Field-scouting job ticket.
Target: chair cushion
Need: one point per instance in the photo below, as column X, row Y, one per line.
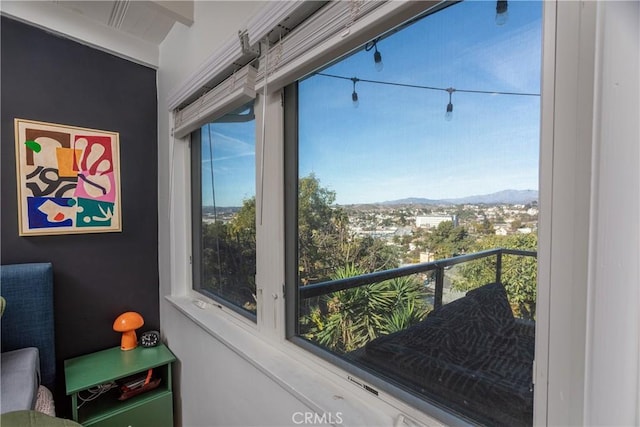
column 466, row 353
column 20, row 379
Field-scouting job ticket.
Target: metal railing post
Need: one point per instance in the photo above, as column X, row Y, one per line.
column 437, row 298
column 499, row 266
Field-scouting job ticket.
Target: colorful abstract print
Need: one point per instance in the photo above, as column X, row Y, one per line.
column 69, row 179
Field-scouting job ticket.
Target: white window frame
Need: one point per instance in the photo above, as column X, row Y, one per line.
column 196, row 223
column 569, row 42
column 373, row 380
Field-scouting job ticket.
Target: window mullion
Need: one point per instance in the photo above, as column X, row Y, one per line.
column 270, row 217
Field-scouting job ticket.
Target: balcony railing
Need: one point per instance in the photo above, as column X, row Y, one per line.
column 439, row 266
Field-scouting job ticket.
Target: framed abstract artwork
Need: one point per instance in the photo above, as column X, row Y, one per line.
column 68, row 179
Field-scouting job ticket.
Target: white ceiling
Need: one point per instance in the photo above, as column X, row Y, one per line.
column 147, row 20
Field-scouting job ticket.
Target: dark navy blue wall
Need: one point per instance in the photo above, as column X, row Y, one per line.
column 96, row 276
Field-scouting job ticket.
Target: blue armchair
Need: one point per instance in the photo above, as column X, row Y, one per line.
column 28, row 342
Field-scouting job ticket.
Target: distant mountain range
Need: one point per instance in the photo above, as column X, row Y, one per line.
column 512, row 197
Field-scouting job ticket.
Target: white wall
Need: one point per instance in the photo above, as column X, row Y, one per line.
column 214, row 386
column 613, row 362
column 593, row 316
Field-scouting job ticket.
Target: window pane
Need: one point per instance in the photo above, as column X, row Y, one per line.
column 417, row 208
column 227, row 238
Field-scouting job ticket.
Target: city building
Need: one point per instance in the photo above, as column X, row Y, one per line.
column 432, row 221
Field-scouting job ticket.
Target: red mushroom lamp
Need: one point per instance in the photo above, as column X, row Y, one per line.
column 127, row 323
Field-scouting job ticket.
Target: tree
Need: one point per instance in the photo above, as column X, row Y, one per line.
column 485, row 227
column 369, row 254
column 447, row 240
column 321, row 230
column 243, row 224
column 403, row 218
column 324, row 241
column 516, row 224
column 465, row 215
column 229, row 257
column 519, row 273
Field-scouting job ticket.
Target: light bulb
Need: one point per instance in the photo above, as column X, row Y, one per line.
column 449, row 114
column 377, row 58
column 502, row 12
column 354, row 95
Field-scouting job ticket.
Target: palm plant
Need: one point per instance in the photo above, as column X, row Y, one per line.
column 409, row 305
column 351, row 318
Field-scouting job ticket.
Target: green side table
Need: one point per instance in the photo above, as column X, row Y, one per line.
column 151, row 408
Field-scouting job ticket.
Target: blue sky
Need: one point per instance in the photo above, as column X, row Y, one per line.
column 397, row 144
column 234, row 153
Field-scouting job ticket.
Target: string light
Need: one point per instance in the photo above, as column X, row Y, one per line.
column 450, row 90
column 377, row 56
column 502, row 12
column 449, row 114
column 354, row 95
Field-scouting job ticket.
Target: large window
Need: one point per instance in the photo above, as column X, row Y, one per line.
column 223, row 199
column 415, row 236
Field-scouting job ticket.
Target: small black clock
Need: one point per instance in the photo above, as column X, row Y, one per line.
column 150, row 339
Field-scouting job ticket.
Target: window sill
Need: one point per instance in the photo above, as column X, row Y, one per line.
column 321, row 389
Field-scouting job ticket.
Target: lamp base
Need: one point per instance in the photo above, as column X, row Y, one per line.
column 129, row 341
